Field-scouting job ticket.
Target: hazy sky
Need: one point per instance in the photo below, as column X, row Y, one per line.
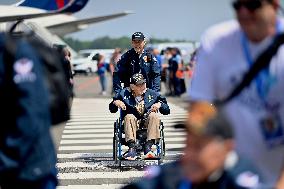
column 172, row 19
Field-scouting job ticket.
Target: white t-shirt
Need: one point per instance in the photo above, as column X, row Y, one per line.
column 221, row 64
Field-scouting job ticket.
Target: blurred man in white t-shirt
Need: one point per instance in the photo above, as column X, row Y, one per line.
column 257, row 114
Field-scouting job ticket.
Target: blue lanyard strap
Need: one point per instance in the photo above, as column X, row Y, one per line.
column 263, row 75
column 250, row 62
column 184, row 184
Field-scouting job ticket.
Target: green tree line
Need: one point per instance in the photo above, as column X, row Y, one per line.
column 108, row 43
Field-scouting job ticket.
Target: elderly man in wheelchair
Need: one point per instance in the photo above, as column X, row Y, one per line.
column 136, row 101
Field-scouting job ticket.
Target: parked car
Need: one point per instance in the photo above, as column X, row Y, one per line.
column 86, row 62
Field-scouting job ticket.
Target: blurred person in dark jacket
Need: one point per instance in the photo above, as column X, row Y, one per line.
column 209, row 160
column 27, row 154
column 175, row 65
column 66, row 59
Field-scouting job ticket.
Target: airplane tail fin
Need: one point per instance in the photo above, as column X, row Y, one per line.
column 54, row 5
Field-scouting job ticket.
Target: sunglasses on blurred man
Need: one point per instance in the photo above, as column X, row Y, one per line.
column 250, row 5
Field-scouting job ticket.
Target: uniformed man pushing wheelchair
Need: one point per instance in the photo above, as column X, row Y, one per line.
column 136, row 101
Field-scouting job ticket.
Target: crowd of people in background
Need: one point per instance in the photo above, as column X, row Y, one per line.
column 174, row 69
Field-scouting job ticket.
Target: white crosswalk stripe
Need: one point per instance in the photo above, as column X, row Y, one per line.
column 85, row 151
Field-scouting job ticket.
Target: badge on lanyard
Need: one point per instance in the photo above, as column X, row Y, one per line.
column 272, row 130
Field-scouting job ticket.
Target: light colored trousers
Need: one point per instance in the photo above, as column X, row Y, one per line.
column 152, row 124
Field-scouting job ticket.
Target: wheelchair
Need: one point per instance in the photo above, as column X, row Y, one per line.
column 141, row 138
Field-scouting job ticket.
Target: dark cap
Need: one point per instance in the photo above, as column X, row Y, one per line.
column 138, row 35
column 137, row 79
column 218, row 126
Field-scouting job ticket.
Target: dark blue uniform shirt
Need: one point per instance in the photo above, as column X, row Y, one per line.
column 130, row 63
column 171, row 176
column 26, row 147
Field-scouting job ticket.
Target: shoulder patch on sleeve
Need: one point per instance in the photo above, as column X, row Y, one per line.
column 247, row 179
column 23, row 69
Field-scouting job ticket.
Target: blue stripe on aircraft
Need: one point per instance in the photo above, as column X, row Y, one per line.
column 51, row 5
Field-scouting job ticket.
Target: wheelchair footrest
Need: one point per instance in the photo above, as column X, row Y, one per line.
column 140, row 158
column 139, row 163
column 152, row 161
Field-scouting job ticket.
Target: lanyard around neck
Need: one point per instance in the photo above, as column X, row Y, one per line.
column 263, row 74
column 184, row 184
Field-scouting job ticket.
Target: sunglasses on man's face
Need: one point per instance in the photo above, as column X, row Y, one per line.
column 250, row 5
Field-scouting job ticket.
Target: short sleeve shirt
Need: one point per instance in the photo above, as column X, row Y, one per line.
column 258, row 122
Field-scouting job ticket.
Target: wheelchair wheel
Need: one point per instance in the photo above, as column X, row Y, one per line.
column 161, row 145
column 162, row 148
column 115, row 148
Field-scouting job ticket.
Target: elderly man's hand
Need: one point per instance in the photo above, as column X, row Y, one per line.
column 155, row 107
column 119, row 104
